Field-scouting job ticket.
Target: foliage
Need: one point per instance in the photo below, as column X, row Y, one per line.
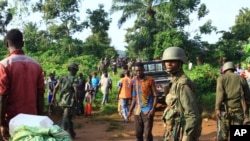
column 233, row 41
column 3, row 50
column 205, row 77
column 158, row 25
column 6, row 16
column 247, row 51
column 208, row 101
column 167, row 39
column 99, row 22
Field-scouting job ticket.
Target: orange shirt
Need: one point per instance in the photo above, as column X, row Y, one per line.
column 126, row 87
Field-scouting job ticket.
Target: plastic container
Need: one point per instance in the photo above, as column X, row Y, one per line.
column 29, row 120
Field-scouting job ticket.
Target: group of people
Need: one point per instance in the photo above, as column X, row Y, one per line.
column 182, row 117
column 22, row 87
column 74, row 92
column 22, row 78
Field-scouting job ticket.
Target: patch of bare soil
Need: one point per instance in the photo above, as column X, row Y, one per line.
column 112, row 128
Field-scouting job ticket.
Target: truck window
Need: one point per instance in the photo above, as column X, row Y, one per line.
column 159, row 67
column 151, row 67
column 145, row 67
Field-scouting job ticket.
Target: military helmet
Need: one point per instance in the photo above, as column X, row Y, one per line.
column 73, row 65
column 228, row 65
column 174, row 53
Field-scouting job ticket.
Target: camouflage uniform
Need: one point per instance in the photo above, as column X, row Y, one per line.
column 67, row 85
column 182, row 117
column 229, row 91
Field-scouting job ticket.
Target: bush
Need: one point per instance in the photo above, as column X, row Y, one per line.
column 205, row 77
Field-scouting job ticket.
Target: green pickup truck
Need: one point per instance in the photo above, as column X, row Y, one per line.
column 156, row 70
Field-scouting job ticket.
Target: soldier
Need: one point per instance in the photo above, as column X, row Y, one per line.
column 230, row 107
column 182, row 117
column 67, row 85
column 101, row 67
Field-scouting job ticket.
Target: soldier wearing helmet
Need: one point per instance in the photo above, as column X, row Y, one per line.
column 67, row 86
column 73, row 66
column 182, row 116
column 232, row 93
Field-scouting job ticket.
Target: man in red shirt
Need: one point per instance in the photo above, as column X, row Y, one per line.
column 21, row 83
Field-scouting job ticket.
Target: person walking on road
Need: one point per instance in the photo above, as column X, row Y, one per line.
column 143, row 103
column 125, row 94
column 119, row 102
column 67, row 86
column 21, row 83
column 106, row 85
column 182, row 117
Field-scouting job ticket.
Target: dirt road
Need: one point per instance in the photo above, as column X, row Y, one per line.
column 112, row 128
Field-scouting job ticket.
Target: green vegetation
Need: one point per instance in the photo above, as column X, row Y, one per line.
column 205, row 77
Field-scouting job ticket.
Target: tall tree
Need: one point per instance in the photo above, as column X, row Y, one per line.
column 141, row 36
column 64, row 12
column 153, row 18
column 99, row 22
column 232, row 42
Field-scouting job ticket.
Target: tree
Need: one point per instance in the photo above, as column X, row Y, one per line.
column 31, row 37
column 66, row 12
column 6, row 15
column 141, row 36
column 155, row 18
column 99, row 22
column 232, row 42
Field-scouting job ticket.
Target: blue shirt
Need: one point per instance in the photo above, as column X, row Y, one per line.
column 95, row 81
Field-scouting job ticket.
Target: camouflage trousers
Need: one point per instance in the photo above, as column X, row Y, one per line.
column 67, row 123
column 224, row 122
